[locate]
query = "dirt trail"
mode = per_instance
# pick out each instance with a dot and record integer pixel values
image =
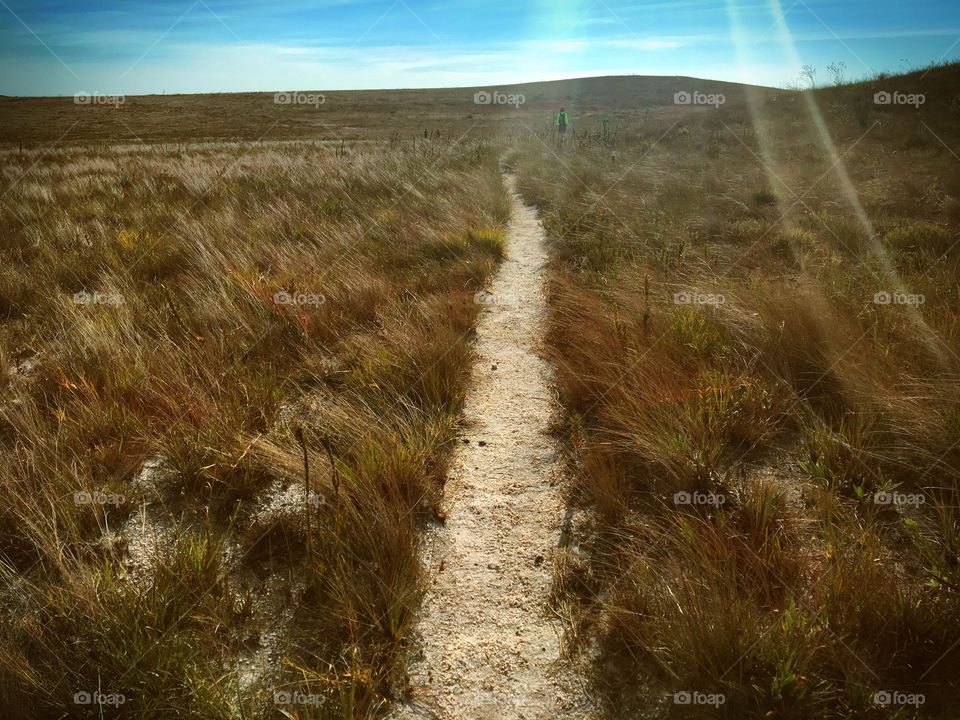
(487, 646)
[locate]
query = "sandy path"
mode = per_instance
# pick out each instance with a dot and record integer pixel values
(487, 646)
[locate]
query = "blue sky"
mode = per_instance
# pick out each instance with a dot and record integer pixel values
(61, 47)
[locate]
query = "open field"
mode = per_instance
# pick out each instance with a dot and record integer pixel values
(755, 327)
(235, 381)
(332, 116)
(236, 339)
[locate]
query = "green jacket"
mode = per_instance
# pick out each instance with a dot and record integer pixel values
(562, 119)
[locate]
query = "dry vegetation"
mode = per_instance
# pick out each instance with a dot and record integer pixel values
(334, 116)
(716, 333)
(209, 495)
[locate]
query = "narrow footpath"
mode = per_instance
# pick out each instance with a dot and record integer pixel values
(487, 646)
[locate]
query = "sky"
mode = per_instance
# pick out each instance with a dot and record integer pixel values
(64, 47)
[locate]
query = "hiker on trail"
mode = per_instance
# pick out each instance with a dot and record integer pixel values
(562, 121)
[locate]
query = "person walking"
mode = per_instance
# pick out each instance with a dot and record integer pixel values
(563, 120)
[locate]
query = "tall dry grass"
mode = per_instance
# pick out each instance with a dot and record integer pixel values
(765, 450)
(214, 464)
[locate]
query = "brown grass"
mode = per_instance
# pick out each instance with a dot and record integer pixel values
(783, 397)
(188, 360)
(256, 473)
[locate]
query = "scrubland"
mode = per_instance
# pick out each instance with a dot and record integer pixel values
(231, 380)
(754, 322)
(234, 348)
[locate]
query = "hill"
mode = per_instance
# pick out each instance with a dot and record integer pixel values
(335, 115)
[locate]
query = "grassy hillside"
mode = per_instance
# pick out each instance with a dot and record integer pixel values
(230, 381)
(234, 343)
(755, 324)
(321, 115)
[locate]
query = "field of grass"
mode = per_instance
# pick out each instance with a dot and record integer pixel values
(231, 377)
(447, 113)
(754, 317)
(235, 339)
